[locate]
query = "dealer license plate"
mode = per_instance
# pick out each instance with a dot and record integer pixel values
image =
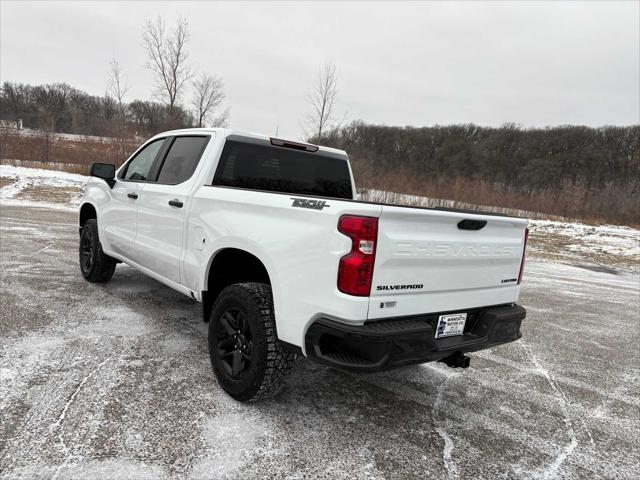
(449, 325)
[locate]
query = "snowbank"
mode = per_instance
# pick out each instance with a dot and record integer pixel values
(23, 179)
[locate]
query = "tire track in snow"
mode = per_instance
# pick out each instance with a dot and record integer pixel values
(551, 471)
(58, 424)
(448, 441)
(467, 416)
(615, 395)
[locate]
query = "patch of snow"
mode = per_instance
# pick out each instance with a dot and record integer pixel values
(14, 188)
(232, 440)
(56, 426)
(28, 132)
(110, 468)
(36, 177)
(613, 239)
(47, 177)
(448, 441)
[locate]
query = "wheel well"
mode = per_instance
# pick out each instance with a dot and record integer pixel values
(230, 266)
(87, 212)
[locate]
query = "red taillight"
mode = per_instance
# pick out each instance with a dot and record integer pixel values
(524, 254)
(355, 272)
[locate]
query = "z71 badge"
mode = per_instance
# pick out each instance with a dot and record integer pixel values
(309, 203)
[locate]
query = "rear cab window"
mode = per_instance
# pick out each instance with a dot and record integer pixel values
(276, 169)
(182, 159)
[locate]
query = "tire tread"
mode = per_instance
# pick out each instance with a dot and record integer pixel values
(279, 361)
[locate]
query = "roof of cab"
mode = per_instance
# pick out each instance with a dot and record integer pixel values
(228, 131)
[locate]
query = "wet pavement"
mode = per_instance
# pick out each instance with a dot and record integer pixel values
(114, 381)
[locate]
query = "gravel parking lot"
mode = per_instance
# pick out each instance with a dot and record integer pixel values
(114, 381)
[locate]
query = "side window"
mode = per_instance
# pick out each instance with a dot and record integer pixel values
(181, 159)
(138, 169)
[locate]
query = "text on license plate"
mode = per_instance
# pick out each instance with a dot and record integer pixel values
(452, 324)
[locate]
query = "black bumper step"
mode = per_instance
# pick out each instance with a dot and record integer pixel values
(384, 344)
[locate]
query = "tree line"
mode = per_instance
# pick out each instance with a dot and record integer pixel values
(572, 171)
(529, 160)
(59, 107)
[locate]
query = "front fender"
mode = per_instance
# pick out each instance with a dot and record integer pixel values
(97, 194)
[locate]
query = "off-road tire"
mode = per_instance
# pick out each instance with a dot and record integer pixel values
(270, 363)
(95, 265)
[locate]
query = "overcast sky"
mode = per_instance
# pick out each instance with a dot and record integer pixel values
(399, 64)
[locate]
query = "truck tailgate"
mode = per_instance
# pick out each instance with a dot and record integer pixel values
(426, 262)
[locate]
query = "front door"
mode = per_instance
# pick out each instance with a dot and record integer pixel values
(163, 205)
(120, 214)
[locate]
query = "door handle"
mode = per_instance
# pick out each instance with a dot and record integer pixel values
(175, 203)
(132, 195)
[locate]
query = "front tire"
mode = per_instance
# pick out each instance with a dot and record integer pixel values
(246, 357)
(95, 265)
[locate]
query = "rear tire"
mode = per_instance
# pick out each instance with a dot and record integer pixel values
(246, 357)
(95, 265)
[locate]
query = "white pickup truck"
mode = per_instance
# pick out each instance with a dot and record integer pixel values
(268, 235)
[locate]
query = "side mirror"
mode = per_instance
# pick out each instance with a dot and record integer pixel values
(105, 171)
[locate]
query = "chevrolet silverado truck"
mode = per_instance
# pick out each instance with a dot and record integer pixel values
(269, 236)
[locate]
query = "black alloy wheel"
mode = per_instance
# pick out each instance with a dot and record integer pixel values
(95, 265)
(247, 358)
(86, 254)
(235, 342)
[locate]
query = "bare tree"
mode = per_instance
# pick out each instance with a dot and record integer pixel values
(167, 59)
(322, 99)
(208, 98)
(118, 88)
(118, 85)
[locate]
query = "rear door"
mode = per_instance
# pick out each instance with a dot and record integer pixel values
(119, 215)
(163, 205)
(435, 261)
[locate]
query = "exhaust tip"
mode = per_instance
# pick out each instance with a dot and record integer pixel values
(457, 360)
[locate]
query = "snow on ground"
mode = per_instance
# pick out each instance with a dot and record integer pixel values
(39, 176)
(603, 246)
(592, 239)
(35, 187)
(28, 132)
(113, 381)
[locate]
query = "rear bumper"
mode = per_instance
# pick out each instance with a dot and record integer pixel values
(384, 344)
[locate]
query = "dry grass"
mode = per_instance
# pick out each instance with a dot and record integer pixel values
(47, 149)
(4, 181)
(556, 247)
(52, 194)
(572, 203)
